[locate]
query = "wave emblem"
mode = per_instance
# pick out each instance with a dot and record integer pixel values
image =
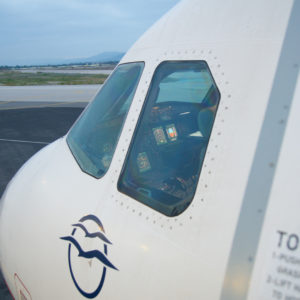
(91, 255)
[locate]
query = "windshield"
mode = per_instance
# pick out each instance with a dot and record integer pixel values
(94, 136)
(164, 162)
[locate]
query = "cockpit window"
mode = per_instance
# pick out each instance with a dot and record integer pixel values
(166, 155)
(94, 136)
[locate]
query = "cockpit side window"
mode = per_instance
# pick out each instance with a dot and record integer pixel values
(94, 137)
(165, 158)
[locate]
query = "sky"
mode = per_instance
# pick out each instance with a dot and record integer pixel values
(43, 31)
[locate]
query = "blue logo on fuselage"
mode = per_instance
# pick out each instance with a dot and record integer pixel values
(96, 253)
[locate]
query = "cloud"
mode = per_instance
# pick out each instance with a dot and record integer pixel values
(31, 29)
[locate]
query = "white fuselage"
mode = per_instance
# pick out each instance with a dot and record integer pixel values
(232, 240)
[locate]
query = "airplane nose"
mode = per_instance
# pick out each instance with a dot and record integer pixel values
(33, 209)
(21, 214)
(47, 194)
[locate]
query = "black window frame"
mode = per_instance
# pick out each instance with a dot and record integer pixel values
(132, 193)
(122, 127)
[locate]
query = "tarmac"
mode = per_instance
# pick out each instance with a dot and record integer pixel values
(28, 126)
(48, 93)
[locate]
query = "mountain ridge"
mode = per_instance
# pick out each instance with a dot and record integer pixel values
(103, 57)
(107, 56)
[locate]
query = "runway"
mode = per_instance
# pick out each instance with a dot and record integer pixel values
(48, 93)
(27, 125)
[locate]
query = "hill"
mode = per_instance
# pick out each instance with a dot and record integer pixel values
(103, 57)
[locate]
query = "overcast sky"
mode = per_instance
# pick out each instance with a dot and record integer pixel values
(34, 31)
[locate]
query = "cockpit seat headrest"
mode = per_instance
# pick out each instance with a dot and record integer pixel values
(205, 121)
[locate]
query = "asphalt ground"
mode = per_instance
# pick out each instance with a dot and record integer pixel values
(50, 93)
(25, 128)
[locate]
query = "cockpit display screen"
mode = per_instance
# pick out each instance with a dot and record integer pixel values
(143, 162)
(159, 135)
(172, 132)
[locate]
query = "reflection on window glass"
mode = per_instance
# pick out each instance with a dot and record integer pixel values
(93, 138)
(167, 152)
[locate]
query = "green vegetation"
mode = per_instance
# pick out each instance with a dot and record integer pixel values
(14, 78)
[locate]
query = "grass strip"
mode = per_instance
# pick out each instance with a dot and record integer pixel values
(15, 78)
